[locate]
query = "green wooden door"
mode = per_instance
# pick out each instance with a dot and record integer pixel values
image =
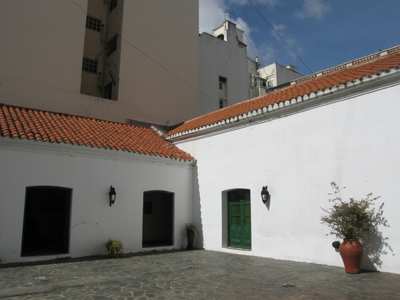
(239, 210)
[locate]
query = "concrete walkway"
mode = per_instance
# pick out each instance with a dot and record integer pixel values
(191, 275)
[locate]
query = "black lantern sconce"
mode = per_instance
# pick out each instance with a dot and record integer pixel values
(112, 195)
(264, 194)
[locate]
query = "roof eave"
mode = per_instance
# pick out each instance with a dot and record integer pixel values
(286, 107)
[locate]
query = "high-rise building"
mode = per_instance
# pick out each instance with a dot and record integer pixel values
(112, 59)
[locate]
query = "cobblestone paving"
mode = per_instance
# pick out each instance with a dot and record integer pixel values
(192, 275)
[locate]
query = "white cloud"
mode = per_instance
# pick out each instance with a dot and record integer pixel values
(267, 54)
(313, 9)
(211, 14)
(214, 12)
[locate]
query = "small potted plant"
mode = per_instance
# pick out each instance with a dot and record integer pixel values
(191, 231)
(352, 221)
(114, 247)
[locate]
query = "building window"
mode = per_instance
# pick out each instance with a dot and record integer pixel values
(93, 23)
(113, 4)
(222, 103)
(263, 83)
(111, 45)
(108, 91)
(222, 82)
(89, 65)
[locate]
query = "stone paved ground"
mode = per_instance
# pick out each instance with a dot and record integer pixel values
(192, 275)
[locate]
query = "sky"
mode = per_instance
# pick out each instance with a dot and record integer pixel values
(312, 35)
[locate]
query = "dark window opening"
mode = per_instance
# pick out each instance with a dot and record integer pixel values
(221, 36)
(108, 91)
(89, 65)
(113, 4)
(111, 45)
(222, 103)
(222, 82)
(157, 223)
(46, 221)
(93, 23)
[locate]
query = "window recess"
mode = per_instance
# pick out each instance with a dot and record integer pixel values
(113, 4)
(111, 45)
(89, 65)
(93, 23)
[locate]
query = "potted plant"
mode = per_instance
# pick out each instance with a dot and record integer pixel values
(114, 247)
(191, 231)
(352, 221)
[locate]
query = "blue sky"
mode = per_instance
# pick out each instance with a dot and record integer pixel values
(323, 33)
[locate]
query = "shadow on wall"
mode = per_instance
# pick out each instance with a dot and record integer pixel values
(197, 220)
(375, 244)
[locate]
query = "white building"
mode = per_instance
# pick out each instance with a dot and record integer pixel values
(55, 49)
(224, 77)
(338, 125)
(228, 76)
(273, 75)
(55, 179)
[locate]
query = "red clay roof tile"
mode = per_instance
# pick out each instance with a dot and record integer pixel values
(368, 66)
(27, 123)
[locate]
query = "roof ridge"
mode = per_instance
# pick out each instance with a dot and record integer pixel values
(350, 64)
(69, 115)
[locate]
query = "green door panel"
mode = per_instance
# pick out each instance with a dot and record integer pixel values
(239, 226)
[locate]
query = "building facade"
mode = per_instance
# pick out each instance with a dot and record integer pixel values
(228, 76)
(337, 125)
(56, 177)
(224, 77)
(273, 76)
(114, 59)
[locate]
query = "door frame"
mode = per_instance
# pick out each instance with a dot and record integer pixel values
(225, 218)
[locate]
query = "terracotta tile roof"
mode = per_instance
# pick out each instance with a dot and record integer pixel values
(306, 87)
(39, 125)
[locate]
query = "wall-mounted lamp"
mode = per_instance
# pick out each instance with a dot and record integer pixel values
(112, 195)
(264, 194)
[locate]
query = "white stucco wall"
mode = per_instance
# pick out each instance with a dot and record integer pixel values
(89, 173)
(41, 60)
(353, 142)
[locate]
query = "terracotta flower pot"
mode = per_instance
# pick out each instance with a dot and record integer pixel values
(352, 253)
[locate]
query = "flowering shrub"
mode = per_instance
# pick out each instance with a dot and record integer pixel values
(352, 219)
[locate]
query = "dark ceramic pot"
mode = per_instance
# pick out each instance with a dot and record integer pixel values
(190, 239)
(352, 253)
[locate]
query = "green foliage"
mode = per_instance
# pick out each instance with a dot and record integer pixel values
(192, 227)
(114, 246)
(352, 219)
